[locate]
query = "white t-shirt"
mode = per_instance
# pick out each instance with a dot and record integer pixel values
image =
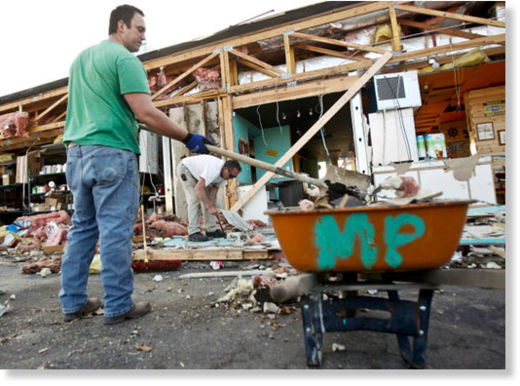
(207, 167)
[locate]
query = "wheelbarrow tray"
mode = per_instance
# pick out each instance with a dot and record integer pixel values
(371, 238)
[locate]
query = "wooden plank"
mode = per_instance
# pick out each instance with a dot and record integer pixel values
(303, 90)
(336, 70)
(256, 61)
(315, 128)
(338, 42)
(259, 69)
(224, 70)
(326, 51)
(396, 39)
(34, 98)
(290, 62)
(446, 31)
(51, 107)
(450, 15)
(53, 249)
(495, 39)
(200, 254)
(185, 74)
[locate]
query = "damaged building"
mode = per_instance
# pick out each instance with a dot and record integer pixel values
(380, 88)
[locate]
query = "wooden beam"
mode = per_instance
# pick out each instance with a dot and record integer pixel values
(50, 108)
(190, 99)
(290, 61)
(185, 74)
(7, 144)
(396, 38)
(34, 98)
(338, 42)
(446, 31)
(304, 90)
(495, 39)
(450, 15)
(256, 61)
(259, 69)
(224, 70)
(315, 128)
(329, 52)
(303, 76)
(201, 254)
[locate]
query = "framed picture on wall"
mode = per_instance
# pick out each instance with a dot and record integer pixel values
(485, 131)
(501, 137)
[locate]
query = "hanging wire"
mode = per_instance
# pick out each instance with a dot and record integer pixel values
(320, 98)
(278, 112)
(260, 118)
(456, 78)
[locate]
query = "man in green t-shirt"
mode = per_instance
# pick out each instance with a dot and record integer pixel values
(108, 95)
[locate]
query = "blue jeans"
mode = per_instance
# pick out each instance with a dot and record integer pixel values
(105, 186)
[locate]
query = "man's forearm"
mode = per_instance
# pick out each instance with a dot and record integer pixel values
(159, 122)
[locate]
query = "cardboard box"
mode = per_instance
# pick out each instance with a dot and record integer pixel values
(51, 201)
(30, 164)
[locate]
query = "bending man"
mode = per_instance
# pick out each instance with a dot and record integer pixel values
(201, 176)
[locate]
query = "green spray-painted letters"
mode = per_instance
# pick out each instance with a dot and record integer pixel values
(334, 244)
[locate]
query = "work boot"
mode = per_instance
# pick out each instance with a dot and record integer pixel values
(197, 236)
(216, 234)
(90, 306)
(138, 309)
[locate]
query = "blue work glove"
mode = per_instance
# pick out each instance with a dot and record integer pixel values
(196, 143)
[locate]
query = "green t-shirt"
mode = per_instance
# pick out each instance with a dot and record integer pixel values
(97, 112)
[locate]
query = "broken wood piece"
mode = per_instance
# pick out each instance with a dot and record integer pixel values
(202, 254)
(292, 287)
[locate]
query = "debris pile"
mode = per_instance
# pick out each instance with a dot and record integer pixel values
(254, 294)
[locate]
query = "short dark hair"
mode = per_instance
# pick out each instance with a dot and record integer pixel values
(123, 12)
(232, 164)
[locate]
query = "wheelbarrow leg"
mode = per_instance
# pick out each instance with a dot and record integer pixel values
(417, 357)
(311, 332)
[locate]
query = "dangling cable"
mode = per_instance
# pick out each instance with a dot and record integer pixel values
(321, 130)
(260, 118)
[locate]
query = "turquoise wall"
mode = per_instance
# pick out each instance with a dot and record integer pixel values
(277, 142)
(241, 129)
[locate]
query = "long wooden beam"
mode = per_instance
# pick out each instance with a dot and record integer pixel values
(450, 15)
(256, 61)
(315, 128)
(303, 76)
(259, 69)
(50, 108)
(495, 39)
(329, 52)
(304, 90)
(446, 31)
(336, 42)
(34, 98)
(396, 38)
(185, 74)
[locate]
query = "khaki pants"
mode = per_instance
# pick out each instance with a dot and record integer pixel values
(194, 205)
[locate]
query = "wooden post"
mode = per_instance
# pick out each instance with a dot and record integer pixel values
(396, 38)
(289, 54)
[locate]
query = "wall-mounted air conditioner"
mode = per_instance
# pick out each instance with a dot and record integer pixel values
(396, 91)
